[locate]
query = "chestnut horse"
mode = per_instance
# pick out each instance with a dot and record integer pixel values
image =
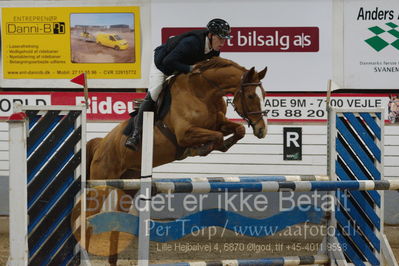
(197, 118)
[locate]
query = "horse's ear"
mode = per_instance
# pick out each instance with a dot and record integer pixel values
(249, 75)
(262, 74)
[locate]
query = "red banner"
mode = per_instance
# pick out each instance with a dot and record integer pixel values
(102, 106)
(264, 39)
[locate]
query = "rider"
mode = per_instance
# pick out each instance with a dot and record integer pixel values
(179, 55)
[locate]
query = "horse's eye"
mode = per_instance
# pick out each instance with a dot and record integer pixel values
(251, 96)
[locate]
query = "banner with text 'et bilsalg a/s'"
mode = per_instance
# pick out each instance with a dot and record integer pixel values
(62, 42)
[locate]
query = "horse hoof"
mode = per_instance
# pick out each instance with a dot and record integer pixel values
(113, 259)
(205, 149)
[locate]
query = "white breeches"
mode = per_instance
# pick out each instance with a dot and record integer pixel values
(156, 80)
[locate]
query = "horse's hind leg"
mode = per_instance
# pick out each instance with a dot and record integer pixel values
(122, 206)
(88, 235)
(91, 209)
(113, 248)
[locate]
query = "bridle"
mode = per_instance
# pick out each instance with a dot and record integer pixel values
(244, 115)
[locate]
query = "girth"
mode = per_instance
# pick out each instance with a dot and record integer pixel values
(168, 133)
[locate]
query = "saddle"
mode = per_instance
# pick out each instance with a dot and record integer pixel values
(162, 108)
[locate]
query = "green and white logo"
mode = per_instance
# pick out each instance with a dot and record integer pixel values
(389, 35)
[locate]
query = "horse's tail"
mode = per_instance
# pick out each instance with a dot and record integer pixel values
(91, 147)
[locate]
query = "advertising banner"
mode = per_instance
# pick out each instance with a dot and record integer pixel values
(263, 39)
(292, 143)
(62, 42)
(371, 44)
(292, 38)
(287, 107)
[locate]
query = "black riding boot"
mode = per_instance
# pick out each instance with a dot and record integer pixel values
(133, 141)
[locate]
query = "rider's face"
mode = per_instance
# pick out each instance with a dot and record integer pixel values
(217, 42)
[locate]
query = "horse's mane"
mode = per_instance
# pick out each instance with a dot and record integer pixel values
(217, 62)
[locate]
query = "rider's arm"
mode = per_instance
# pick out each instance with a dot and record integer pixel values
(187, 48)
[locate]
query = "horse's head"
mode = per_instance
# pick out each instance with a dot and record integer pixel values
(248, 100)
(226, 76)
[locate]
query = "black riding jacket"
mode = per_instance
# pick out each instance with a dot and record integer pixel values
(182, 51)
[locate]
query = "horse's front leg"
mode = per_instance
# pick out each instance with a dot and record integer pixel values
(229, 127)
(200, 141)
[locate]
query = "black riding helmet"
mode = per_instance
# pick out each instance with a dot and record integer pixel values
(219, 27)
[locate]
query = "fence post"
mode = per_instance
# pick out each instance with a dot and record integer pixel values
(18, 195)
(145, 190)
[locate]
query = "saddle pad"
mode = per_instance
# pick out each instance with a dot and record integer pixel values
(162, 106)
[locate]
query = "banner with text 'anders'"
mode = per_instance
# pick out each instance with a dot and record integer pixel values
(371, 44)
(62, 42)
